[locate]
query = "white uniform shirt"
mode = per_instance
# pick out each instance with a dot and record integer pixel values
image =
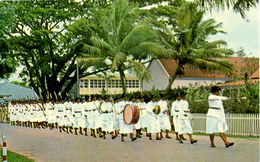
(216, 108)
(164, 107)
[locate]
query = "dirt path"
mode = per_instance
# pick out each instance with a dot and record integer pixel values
(46, 145)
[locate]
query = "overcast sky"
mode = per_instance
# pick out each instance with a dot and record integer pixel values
(240, 32)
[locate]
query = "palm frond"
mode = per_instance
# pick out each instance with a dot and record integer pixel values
(100, 43)
(90, 61)
(118, 59)
(212, 64)
(151, 49)
(138, 35)
(142, 72)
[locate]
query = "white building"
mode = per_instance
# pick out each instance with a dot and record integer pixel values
(94, 85)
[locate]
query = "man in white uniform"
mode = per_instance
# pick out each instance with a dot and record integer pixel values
(163, 116)
(153, 121)
(86, 115)
(50, 113)
(138, 125)
(76, 113)
(143, 114)
(216, 121)
(184, 119)
(125, 128)
(176, 105)
(68, 115)
(107, 120)
(60, 113)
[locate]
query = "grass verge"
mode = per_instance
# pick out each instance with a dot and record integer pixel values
(11, 156)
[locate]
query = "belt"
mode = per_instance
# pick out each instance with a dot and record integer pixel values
(87, 110)
(176, 110)
(51, 108)
(106, 112)
(77, 111)
(186, 111)
(60, 110)
(68, 109)
(217, 108)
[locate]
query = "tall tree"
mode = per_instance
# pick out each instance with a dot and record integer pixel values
(121, 40)
(7, 63)
(41, 43)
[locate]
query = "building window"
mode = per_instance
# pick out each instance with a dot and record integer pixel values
(83, 84)
(97, 83)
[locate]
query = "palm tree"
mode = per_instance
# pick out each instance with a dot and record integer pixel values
(121, 41)
(189, 44)
(238, 5)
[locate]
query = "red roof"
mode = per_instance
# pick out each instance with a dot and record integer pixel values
(255, 75)
(170, 66)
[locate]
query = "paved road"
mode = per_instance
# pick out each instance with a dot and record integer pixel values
(46, 145)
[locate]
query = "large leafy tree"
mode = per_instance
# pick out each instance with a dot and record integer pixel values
(7, 63)
(121, 40)
(40, 41)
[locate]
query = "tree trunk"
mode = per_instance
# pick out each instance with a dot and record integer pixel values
(122, 77)
(172, 79)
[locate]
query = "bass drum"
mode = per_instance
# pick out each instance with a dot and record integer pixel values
(131, 114)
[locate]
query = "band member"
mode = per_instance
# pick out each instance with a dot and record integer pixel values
(138, 125)
(184, 119)
(11, 108)
(68, 115)
(42, 120)
(163, 116)
(86, 115)
(153, 121)
(25, 119)
(107, 112)
(60, 113)
(76, 113)
(50, 113)
(143, 114)
(215, 121)
(125, 128)
(34, 114)
(116, 114)
(96, 113)
(176, 105)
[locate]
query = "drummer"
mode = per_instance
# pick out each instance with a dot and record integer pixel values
(163, 116)
(124, 128)
(153, 121)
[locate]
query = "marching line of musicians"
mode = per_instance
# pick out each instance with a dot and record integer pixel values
(100, 117)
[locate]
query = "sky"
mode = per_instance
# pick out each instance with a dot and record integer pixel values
(240, 32)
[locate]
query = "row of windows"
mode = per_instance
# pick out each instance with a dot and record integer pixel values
(98, 83)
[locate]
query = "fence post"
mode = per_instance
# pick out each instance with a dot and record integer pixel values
(4, 148)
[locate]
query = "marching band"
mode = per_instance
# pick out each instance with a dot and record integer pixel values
(120, 116)
(78, 116)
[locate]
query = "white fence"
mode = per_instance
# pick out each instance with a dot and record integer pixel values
(239, 124)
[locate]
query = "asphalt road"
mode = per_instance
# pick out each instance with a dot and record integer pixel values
(44, 145)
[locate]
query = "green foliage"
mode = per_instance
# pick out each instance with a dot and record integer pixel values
(7, 62)
(120, 40)
(40, 42)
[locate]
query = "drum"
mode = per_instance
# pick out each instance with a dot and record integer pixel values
(157, 109)
(131, 114)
